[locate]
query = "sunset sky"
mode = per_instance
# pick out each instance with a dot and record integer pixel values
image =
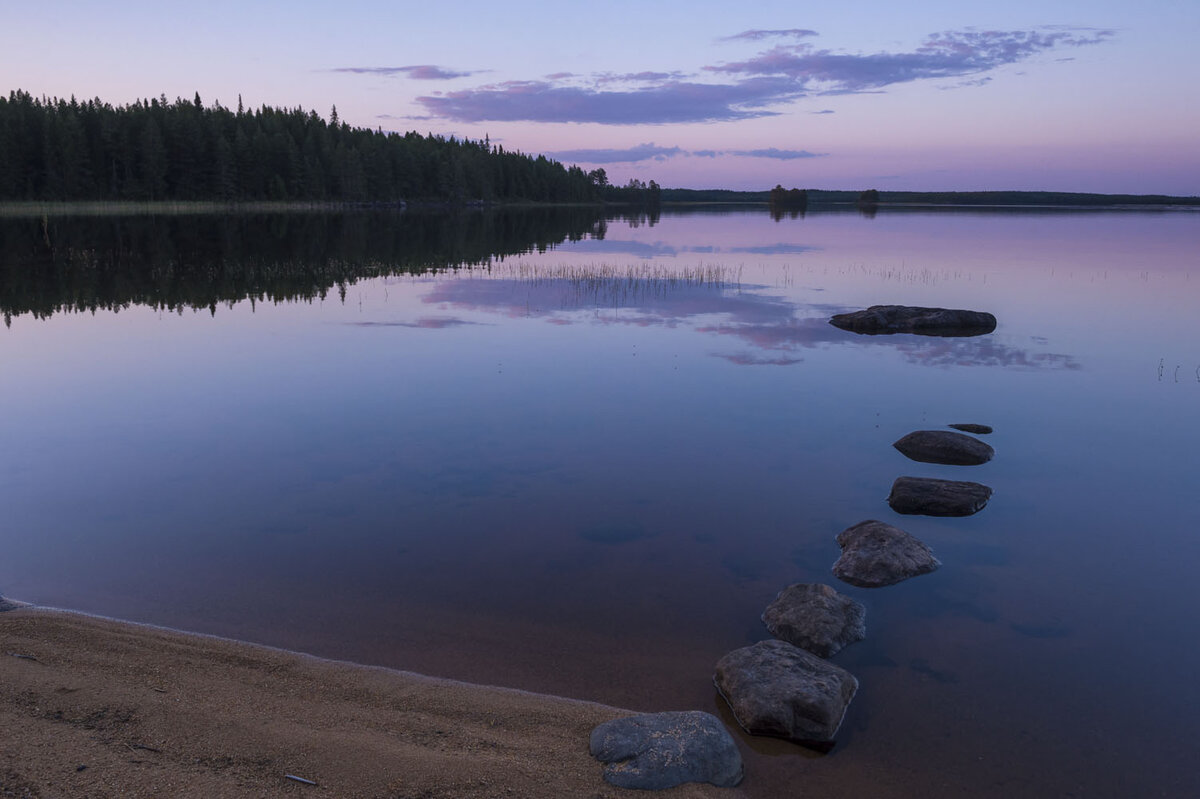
(1069, 95)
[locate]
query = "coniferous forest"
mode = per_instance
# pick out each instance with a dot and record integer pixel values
(151, 150)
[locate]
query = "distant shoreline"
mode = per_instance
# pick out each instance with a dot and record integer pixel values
(672, 198)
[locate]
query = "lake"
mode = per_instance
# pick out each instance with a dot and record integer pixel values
(580, 455)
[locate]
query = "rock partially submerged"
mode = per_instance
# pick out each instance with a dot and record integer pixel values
(661, 750)
(943, 446)
(885, 319)
(875, 554)
(780, 690)
(928, 496)
(970, 427)
(8, 604)
(815, 617)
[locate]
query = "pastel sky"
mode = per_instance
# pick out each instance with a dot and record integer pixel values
(1067, 95)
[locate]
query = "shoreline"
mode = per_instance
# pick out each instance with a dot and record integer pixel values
(96, 706)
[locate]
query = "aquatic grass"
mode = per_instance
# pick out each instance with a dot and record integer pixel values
(618, 285)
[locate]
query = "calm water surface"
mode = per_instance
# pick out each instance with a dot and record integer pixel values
(585, 464)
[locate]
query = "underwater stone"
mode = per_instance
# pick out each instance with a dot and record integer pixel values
(875, 554)
(886, 319)
(781, 690)
(929, 496)
(815, 617)
(655, 751)
(943, 446)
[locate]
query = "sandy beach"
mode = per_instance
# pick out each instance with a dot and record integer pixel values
(101, 708)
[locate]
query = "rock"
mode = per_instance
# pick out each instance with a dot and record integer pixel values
(661, 750)
(942, 446)
(8, 604)
(778, 689)
(886, 319)
(876, 554)
(967, 427)
(930, 497)
(815, 617)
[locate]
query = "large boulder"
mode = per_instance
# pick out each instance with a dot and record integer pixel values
(929, 496)
(943, 446)
(971, 427)
(876, 554)
(815, 617)
(661, 750)
(778, 689)
(885, 319)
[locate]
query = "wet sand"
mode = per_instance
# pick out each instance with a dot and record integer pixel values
(101, 708)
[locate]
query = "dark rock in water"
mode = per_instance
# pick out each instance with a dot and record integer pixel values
(967, 427)
(778, 689)
(931, 497)
(815, 617)
(876, 554)
(7, 604)
(661, 750)
(885, 319)
(942, 446)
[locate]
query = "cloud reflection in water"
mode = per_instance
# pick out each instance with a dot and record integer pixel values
(713, 302)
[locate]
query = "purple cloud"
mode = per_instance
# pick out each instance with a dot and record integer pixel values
(943, 55)
(649, 150)
(425, 323)
(752, 88)
(772, 152)
(758, 35)
(781, 248)
(641, 152)
(671, 101)
(637, 77)
(747, 359)
(416, 72)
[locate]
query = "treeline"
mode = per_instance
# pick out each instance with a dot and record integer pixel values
(635, 192)
(820, 198)
(51, 265)
(151, 150)
(713, 196)
(1060, 198)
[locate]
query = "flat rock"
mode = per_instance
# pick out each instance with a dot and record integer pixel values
(661, 750)
(876, 554)
(970, 427)
(886, 319)
(815, 617)
(928, 496)
(780, 690)
(943, 446)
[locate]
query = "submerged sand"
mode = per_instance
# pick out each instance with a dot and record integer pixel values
(100, 708)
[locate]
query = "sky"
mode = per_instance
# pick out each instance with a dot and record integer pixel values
(1059, 95)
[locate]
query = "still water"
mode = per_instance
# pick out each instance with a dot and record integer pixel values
(581, 455)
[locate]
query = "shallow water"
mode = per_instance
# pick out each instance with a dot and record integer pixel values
(586, 464)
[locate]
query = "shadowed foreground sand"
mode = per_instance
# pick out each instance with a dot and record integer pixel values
(99, 708)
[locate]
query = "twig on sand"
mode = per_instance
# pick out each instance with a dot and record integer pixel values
(298, 779)
(146, 748)
(24, 657)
